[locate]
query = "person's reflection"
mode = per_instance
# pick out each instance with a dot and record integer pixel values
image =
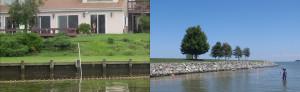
(284, 85)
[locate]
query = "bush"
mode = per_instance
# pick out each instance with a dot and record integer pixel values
(33, 41)
(110, 41)
(85, 28)
(125, 40)
(59, 43)
(11, 46)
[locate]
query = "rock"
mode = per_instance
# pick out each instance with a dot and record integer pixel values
(161, 69)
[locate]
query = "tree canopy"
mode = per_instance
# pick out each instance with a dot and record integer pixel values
(24, 13)
(217, 50)
(246, 52)
(237, 52)
(194, 42)
(227, 50)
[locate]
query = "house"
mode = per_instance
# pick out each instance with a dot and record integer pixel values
(110, 16)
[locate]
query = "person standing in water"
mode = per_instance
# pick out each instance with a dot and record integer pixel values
(284, 74)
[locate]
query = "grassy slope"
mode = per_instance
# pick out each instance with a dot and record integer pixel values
(174, 60)
(96, 48)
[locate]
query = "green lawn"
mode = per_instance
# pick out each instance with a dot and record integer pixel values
(175, 60)
(96, 48)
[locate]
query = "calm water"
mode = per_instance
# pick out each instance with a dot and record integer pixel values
(254, 80)
(142, 85)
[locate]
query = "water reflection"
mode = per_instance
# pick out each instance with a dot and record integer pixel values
(284, 85)
(253, 80)
(139, 85)
(193, 82)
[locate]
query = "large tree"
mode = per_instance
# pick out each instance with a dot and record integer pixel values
(237, 52)
(227, 50)
(246, 52)
(194, 42)
(24, 13)
(217, 50)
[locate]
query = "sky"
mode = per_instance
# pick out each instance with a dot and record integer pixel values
(270, 28)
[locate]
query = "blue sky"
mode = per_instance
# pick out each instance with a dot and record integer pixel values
(270, 28)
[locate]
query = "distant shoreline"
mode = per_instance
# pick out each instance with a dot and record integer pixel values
(165, 69)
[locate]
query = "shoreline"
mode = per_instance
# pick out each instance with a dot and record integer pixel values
(165, 69)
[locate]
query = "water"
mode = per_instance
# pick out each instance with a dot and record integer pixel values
(138, 85)
(254, 80)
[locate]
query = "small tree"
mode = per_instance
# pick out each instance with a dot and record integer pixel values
(194, 42)
(144, 21)
(24, 13)
(237, 52)
(227, 50)
(85, 28)
(217, 50)
(246, 52)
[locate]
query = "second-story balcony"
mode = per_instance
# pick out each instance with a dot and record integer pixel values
(139, 6)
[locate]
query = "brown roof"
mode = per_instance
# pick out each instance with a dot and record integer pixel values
(63, 4)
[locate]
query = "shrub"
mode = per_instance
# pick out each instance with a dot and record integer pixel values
(110, 41)
(11, 46)
(33, 41)
(125, 40)
(59, 43)
(85, 28)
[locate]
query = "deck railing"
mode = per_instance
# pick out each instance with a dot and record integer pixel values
(138, 6)
(45, 32)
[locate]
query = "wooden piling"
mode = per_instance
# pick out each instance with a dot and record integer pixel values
(78, 65)
(104, 68)
(22, 70)
(130, 67)
(51, 69)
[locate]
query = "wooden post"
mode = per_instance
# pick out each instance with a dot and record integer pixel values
(130, 67)
(51, 69)
(104, 68)
(78, 63)
(22, 70)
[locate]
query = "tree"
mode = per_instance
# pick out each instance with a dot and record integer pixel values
(144, 21)
(24, 13)
(237, 52)
(246, 52)
(227, 50)
(194, 42)
(217, 50)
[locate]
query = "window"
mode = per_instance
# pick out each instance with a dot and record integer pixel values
(43, 22)
(4, 2)
(68, 21)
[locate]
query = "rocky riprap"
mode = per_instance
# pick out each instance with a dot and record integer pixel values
(162, 69)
